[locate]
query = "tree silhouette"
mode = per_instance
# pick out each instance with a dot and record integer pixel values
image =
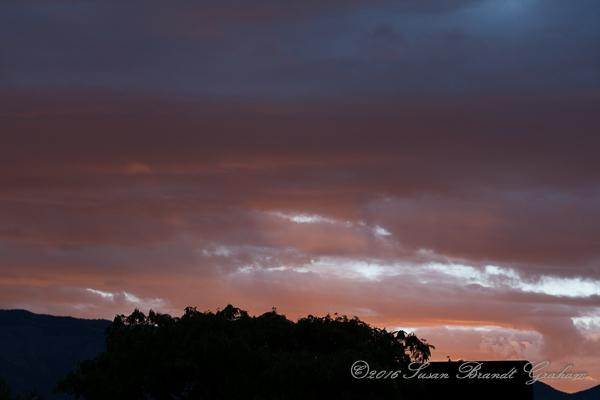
(230, 355)
(6, 393)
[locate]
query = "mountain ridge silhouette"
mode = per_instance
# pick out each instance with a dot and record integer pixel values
(38, 349)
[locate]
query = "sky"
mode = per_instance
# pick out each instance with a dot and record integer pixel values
(430, 166)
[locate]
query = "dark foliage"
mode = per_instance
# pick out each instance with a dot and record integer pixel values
(7, 394)
(5, 391)
(230, 355)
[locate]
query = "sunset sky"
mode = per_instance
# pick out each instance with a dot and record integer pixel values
(427, 165)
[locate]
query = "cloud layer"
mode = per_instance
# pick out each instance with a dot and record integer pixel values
(429, 166)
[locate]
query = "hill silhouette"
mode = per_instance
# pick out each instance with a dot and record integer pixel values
(37, 350)
(542, 391)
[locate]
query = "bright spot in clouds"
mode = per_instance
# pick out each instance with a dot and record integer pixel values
(103, 294)
(380, 231)
(304, 218)
(143, 304)
(221, 251)
(494, 276)
(371, 270)
(589, 325)
(130, 298)
(491, 276)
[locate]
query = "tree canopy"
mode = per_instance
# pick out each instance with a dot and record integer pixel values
(7, 394)
(230, 355)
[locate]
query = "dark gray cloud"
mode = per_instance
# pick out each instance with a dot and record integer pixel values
(330, 49)
(499, 180)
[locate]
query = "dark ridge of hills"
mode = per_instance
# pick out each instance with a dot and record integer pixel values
(588, 394)
(36, 350)
(543, 391)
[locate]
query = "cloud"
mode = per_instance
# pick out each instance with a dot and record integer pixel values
(304, 218)
(479, 195)
(422, 164)
(301, 49)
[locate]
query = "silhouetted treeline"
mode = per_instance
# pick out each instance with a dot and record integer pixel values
(6, 393)
(230, 355)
